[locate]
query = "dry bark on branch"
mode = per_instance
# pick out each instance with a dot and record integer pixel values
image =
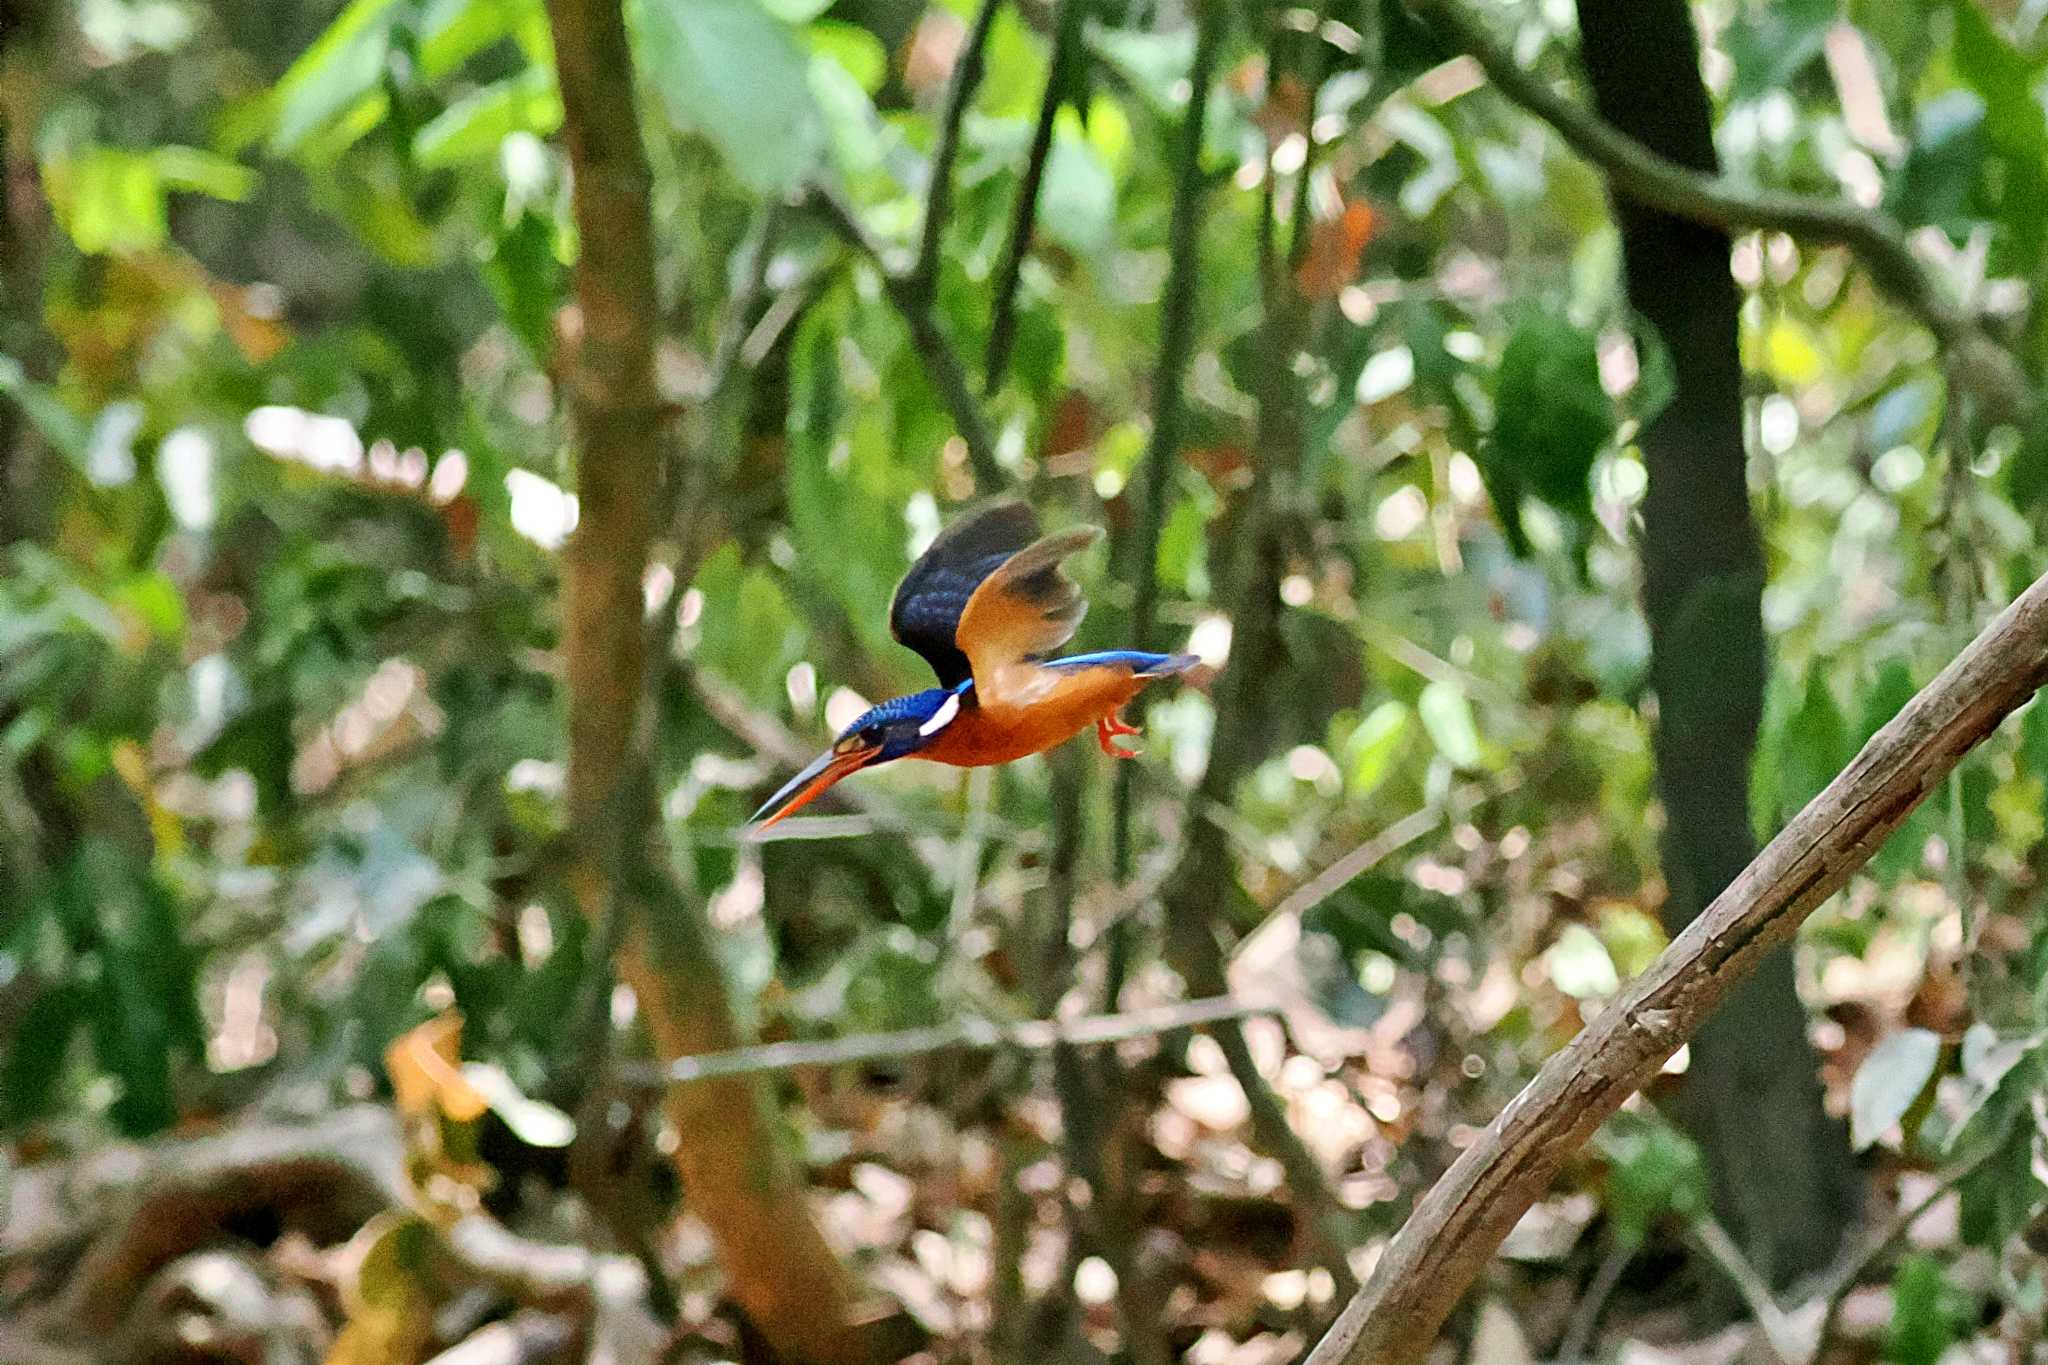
(1459, 1223)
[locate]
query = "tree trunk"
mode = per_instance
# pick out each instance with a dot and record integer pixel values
(1779, 1169)
(736, 1171)
(25, 71)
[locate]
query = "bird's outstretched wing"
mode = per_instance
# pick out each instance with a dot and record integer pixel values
(1023, 610)
(933, 596)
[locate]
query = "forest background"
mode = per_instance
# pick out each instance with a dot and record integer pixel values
(455, 456)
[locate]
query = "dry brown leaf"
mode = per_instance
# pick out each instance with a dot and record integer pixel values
(425, 1066)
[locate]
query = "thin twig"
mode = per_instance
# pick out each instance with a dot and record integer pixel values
(1720, 1248)
(1876, 239)
(1059, 81)
(1578, 1337)
(962, 1035)
(1342, 872)
(941, 362)
(923, 281)
(1892, 1234)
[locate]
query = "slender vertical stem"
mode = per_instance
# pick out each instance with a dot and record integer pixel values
(1059, 82)
(923, 280)
(1176, 350)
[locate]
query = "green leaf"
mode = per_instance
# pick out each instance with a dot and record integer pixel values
(1579, 964)
(57, 424)
(1447, 715)
(1814, 746)
(1772, 49)
(35, 1058)
(1077, 203)
(2026, 476)
(1937, 181)
(2014, 121)
(110, 200)
(453, 31)
(343, 66)
(1553, 418)
(1370, 752)
(1929, 1314)
(1888, 1082)
(735, 73)
(526, 277)
(474, 125)
(855, 50)
(1156, 64)
(1652, 1171)
(1884, 698)
(798, 12)
(188, 168)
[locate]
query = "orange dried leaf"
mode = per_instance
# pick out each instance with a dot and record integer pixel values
(425, 1066)
(1336, 247)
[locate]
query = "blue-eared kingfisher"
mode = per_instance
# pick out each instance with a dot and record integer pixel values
(984, 606)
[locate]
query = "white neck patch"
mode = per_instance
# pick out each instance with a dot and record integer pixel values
(942, 717)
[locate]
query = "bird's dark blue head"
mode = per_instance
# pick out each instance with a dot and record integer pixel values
(896, 729)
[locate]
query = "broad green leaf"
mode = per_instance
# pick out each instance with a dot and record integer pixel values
(735, 73)
(1447, 715)
(1814, 746)
(2015, 123)
(849, 114)
(344, 65)
(797, 12)
(858, 52)
(1156, 64)
(58, 424)
(188, 168)
(1884, 698)
(1937, 181)
(1579, 965)
(1653, 1171)
(1929, 1314)
(1370, 752)
(36, 1053)
(2026, 475)
(1077, 203)
(1552, 419)
(477, 123)
(453, 31)
(526, 277)
(109, 199)
(1888, 1082)
(1771, 49)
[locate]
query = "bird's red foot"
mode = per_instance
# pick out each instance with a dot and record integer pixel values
(1107, 728)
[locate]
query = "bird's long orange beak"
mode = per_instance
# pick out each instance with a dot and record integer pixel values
(808, 785)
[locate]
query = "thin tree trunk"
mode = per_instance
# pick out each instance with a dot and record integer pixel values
(1779, 1169)
(24, 219)
(734, 1164)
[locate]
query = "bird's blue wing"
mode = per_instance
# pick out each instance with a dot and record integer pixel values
(932, 597)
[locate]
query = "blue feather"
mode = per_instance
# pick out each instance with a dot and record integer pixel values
(1143, 664)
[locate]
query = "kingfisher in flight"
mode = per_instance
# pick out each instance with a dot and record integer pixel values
(984, 606)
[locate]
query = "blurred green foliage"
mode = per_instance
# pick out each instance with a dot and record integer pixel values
(281, 731)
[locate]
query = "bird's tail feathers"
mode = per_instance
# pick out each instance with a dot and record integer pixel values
(1169, 664)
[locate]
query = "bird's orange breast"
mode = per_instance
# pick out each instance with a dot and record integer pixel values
(1029, 709)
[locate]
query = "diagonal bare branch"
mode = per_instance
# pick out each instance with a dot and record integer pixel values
(1459, 1224)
